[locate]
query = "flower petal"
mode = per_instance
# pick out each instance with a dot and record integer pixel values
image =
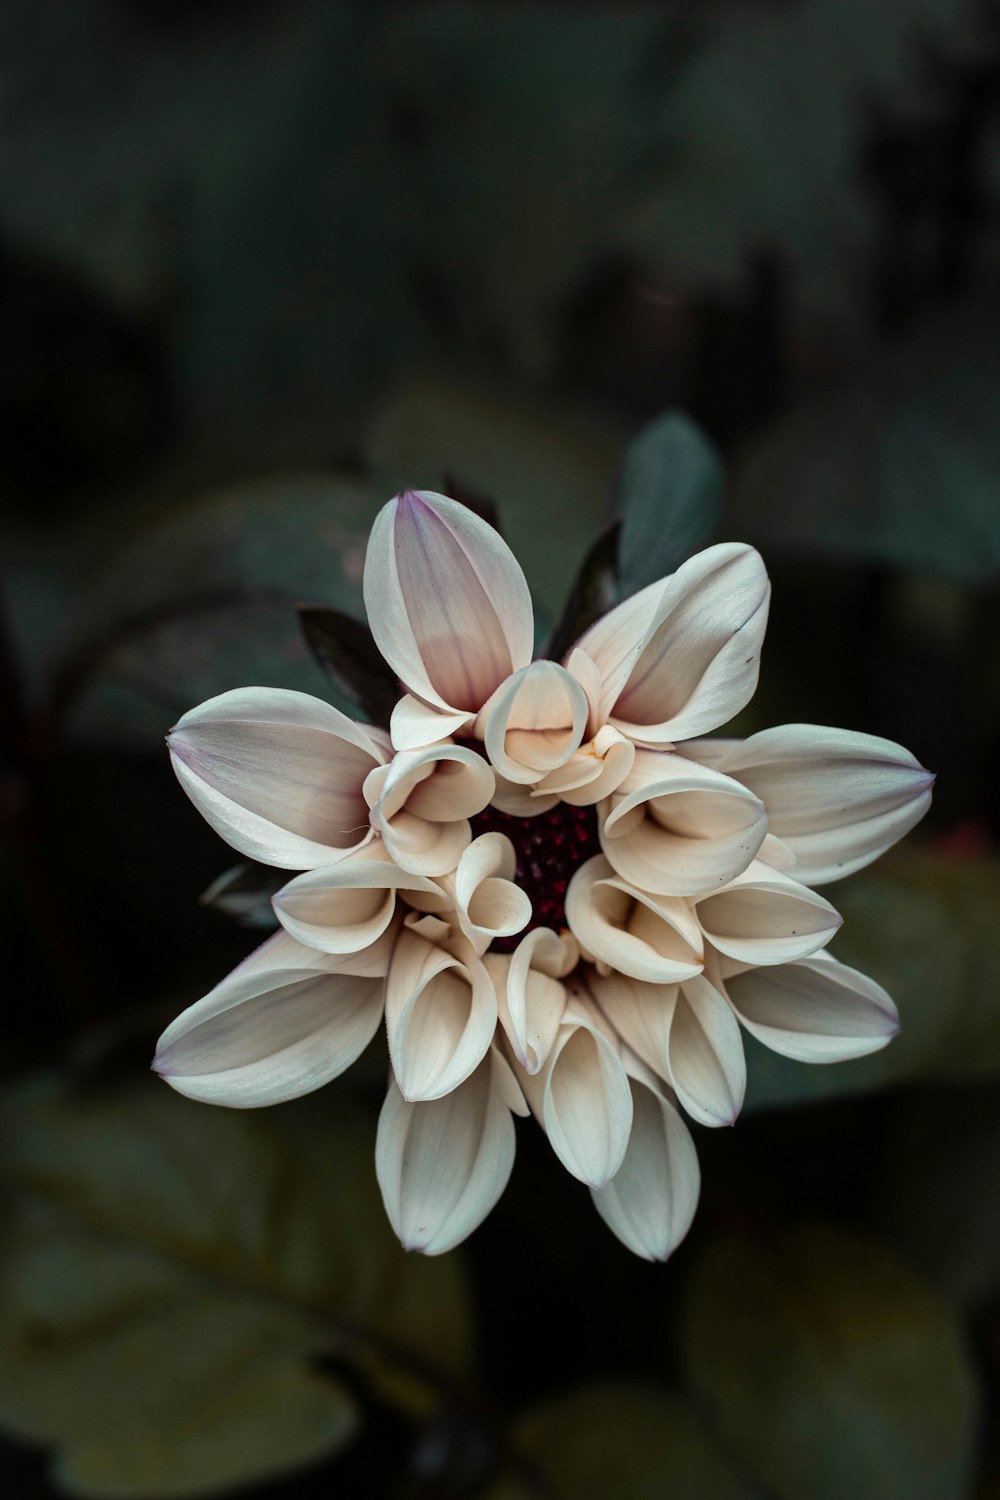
(414, 725)
(816, 1010)
(441, 1013)
(594, 772)
(650, 1202)
(696, 830)
(530, 997)
(345, 907)
(421, 804)
(640, 1014)
(534, 722)
(447, 603)
(443, 1163)
(655, 938)
(488, 903)
(836, 798)
(766, 917)
(265, 1034)
(278, 774)
(705, 1054)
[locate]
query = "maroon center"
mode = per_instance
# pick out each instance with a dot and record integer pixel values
(549, 849)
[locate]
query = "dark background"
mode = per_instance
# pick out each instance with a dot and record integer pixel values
(260, 265)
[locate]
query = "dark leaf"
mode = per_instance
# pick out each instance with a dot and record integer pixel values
(669, 495)
(244, 893)
(593, 593)
(345, 650)
(481, 505)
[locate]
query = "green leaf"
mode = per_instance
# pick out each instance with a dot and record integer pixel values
(345, 650)
(173, 1273)
(830, 1368)
(924, 927)
(630, 1441)
(244, 893)
(592, 595)
(669, 495)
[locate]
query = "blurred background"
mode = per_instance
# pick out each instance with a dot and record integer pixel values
(261, 265)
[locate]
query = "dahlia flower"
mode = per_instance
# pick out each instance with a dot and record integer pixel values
(556, 895)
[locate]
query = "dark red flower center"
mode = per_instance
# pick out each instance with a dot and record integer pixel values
(549, 849)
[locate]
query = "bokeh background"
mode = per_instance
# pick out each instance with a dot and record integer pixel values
(260, 265)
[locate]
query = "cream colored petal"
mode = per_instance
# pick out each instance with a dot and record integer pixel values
(655, 938)
(534, 722)
(766, 917)
(641, 1015)
(441, 1013)
(282, 951)
(447, 603)
(816, 1010)
(836, 798)
(267, 1034)
(278, 774)
(415, 725)
(345, 907)
(488, 903)
(697, 829)
(585, 670)
(442, 1164)
(594, 772)
(699, 658)
(586, 1105)
(519, 800)
(705, 1054)
(530, 997)
(613, 645)
(651, 1200)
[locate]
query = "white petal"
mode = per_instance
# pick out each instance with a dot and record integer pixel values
(594, 772)
(817, 1010)
(836, 798)
(443, 1163)
(447, 603)
(706, 1058)
(650, 1202)
(415, 725)
(654, 938)
(641, 1015)
(421, 803)
(530, 997)
(345, 907)
(766, 917)
(534, 722)
(698, 657)
(265, 1034)
(488, 903)
(278, 774)
(441, 1013)
(697, 829)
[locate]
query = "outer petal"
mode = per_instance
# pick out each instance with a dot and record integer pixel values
(278, 774)
(530, 997)
(441, 1013)
(448, 606)
(267, 1034)
(705, 1055)
(697, 657)
(414, 725)
(836, 798)
(421, 804)
(817, 1010)
(679, 829)
(640, 1014)
(346, 907)
(534, 722)
(443, 1163)
(654, 938)
(650, 1202)
(766, 917)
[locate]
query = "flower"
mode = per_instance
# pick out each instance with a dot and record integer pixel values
(558, 897)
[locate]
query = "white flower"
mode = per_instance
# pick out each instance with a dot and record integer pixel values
(555, 894)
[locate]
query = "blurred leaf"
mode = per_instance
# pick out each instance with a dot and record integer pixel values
(345, 650)
(633, 1442)
(903, 469)
(548, 473)
(670, 496)
(172, 1273)
(244, 893)
(831, 1369)
(925, 928)
(934, 1190)
(592, 595)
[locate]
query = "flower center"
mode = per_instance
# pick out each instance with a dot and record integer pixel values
(549, 849)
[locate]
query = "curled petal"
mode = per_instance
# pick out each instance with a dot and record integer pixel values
(519, 800)
(346, 907)
(655, 938)
(443, 1163)
(816, 1010)
(594, 772)
(534, 722)
(677, 828)
(272, 1031)
(837, 799)
(683, 655)
(488, 903)
(447, 603)
(441, 1013)
(650, 1202)
(530, 997)
(415, 725)
(641, 1015)
(278, 774)
(766, 917)
(583, 1099)
(705, 1057)
(421, 804)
